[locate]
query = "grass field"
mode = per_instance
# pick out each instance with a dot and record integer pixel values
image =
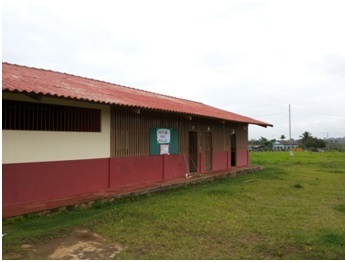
(293, 209)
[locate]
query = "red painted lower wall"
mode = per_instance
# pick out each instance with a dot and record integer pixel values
(30, 182)
(174, 166)
(220, 160)
(126, 171)
(242, 158)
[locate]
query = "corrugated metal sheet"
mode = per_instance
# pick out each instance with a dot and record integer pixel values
(45, 82)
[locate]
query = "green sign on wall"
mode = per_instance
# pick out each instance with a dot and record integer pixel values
(163, 141)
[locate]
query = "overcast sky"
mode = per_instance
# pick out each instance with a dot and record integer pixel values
(249, 57)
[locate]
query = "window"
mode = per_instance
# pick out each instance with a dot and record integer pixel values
(18, 115)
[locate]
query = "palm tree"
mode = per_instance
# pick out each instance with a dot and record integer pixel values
(305, 138)
(282, 137)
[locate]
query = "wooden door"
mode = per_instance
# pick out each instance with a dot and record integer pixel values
(233, 149)
(208, 151)
(193, 152)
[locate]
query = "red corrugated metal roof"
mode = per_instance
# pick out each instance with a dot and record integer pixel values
(45, 82)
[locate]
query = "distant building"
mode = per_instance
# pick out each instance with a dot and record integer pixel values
(283, 145)
(255, 147)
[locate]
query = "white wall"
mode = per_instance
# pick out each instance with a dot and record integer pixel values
(37, 146)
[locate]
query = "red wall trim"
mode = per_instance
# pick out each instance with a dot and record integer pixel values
(28, 182)
(220, 160)
(242, 158)
(174, 166)
(126, 171)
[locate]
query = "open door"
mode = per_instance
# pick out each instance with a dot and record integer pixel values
(193, 152)
(208, 151)
(233, 149)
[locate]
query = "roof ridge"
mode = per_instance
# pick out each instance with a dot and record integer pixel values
(101, 81)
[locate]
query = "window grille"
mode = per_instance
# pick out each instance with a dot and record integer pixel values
(17, 115)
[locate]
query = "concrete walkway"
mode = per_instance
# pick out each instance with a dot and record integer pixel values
(46, 207)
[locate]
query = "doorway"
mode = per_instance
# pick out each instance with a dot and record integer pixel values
(193, 152)
(208, 151)
(233, 149)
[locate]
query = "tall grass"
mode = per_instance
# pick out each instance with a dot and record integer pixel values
(293, 209)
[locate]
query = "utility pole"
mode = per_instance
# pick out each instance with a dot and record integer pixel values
(291, 153)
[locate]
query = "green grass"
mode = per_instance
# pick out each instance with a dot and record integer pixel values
(294, 209)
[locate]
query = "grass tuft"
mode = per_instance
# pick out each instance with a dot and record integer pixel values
(298, 186)
(340, 208)
(334, 238)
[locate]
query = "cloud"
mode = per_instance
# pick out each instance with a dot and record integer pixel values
(249, 57)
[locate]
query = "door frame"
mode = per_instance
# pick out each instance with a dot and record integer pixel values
(208, 151)
(193, 151)
(233, 150)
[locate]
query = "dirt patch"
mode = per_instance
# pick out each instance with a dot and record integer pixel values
(81, 244)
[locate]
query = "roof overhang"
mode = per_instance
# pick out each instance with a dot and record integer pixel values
(39, 82)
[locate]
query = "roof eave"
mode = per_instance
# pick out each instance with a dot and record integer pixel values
(129, 105)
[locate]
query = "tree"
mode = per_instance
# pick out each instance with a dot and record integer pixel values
(319, 143)
(267, 144)
(282, 137)
(306, 136)
(310, 142)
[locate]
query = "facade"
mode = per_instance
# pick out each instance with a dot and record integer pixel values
(65, 135)
(283, 146)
